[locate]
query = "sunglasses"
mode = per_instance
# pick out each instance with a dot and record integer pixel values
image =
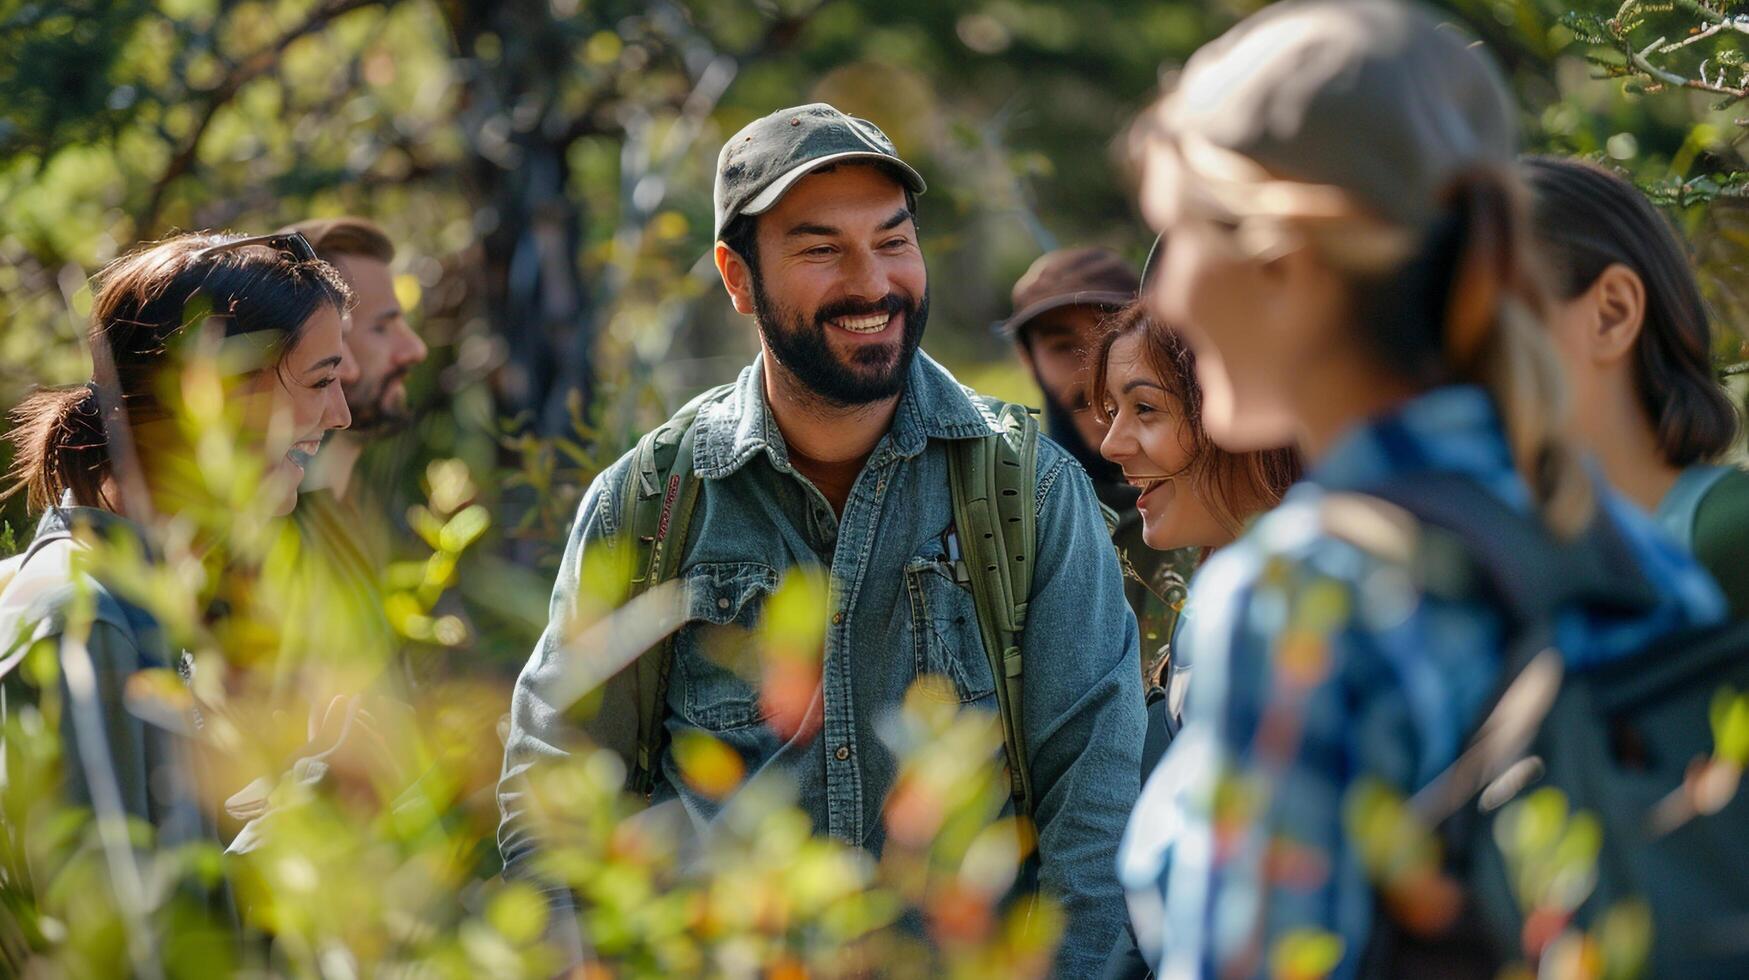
(292, 243)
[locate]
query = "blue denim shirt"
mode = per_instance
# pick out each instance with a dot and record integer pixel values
(1289, 704)
(897, 615)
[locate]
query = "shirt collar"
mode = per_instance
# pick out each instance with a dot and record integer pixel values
(1454, 428)
(69, 518)
(737, 425)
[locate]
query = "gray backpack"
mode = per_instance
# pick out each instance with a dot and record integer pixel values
(1617, 741)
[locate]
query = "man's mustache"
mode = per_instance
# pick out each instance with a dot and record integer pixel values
(890, 304)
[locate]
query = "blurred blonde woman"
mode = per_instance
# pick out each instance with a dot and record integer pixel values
(1336, 179)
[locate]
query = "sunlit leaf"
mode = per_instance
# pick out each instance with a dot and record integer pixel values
(707, 765)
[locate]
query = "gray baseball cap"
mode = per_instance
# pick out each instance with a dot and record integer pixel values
(759, 164)
(1376, 97)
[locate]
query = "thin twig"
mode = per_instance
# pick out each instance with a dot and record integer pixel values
(1663, 76)
(106, 805)
(1740, 27)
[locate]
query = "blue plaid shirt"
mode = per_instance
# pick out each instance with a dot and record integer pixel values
(1318, 663)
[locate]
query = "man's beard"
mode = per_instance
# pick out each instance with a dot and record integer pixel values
(372, 415)
(873, 372)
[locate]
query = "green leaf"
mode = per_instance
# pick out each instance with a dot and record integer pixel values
(464, 528)
(518, 912)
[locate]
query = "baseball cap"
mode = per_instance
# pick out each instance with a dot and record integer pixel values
(1088, 276)
(1377, 98)
(759, 164)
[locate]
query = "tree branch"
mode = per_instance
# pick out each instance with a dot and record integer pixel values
(245, 71)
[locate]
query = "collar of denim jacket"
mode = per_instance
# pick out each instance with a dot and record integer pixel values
(70, 518)
(735, 427)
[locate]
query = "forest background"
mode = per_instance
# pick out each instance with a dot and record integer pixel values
(545, 168)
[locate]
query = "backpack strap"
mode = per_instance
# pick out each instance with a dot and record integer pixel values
(1511, 558)
(1523, 567)
(993, 481)
(656, 511)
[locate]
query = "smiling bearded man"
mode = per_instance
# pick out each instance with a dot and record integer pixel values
(833, 452)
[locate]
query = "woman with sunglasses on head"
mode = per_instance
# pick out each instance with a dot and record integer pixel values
(1634, 339)
(1368, 299)
(102, 458)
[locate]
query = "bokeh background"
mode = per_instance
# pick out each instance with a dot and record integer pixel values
(545, 166)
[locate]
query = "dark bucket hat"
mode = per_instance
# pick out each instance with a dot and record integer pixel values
(1088, 276)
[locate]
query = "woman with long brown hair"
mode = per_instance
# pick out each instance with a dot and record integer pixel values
(102, 458)
(1347, 260)
(1194, 494)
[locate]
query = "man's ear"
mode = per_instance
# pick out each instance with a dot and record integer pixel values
(1619, 297)
(737, 278)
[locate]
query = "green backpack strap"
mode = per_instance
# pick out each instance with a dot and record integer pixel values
(657, 504)
(993, 481)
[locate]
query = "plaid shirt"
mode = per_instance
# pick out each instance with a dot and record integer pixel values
(1317, 664)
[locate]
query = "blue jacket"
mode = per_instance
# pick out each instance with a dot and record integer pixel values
(898, 614)
(1318, 664)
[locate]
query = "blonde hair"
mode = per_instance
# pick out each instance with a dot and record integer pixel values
(1464, 301)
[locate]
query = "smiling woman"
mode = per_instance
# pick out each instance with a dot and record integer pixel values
(271, 295)
(1194, 493)
(264, 311)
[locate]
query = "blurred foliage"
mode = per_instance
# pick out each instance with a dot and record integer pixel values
(363, 806)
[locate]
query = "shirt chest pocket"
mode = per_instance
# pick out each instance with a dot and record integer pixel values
(945, 638)
(716, 654)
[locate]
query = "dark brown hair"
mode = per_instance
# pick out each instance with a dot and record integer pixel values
(142, 302)
(1230, 483)
(333, 238)
(1587, 219)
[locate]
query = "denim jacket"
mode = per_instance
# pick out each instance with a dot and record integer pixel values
(154, 767)
(897, 615)
(1319, 664)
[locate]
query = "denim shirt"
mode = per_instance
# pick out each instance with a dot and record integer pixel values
(897, 614)
(1319, 664)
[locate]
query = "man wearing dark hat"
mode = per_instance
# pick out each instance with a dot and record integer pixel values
(832, 452)
(1059, 305)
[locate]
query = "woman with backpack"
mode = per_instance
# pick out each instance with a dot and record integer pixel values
(101, 458)
(1347, 263)
(1633, 336)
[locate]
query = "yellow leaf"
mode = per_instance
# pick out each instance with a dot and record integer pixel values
(707, 765)
(1306, 954)
(518, 913)
(794, 626)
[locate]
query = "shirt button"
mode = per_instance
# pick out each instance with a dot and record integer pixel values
(842, 753)
(837, 618)
(722, 603)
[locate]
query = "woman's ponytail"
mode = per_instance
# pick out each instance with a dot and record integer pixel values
(1494, 335)
(58, 445)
